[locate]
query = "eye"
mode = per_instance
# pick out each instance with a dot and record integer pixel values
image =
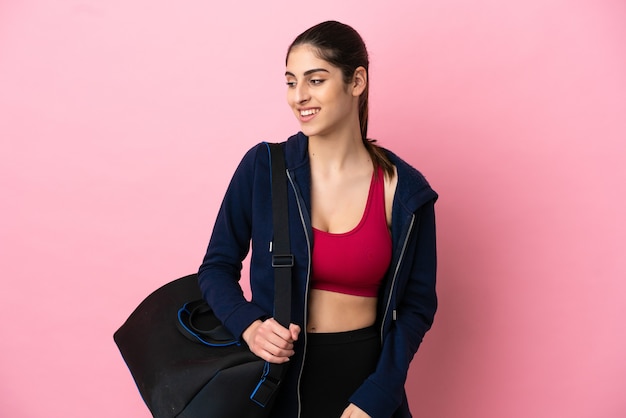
(291, 83)
(316, 81)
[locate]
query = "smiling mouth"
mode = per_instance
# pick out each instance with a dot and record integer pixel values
(309, 112)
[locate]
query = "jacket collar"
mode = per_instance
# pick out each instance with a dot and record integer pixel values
(297, 161)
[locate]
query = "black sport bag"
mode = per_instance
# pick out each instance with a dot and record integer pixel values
(184, 362)
(180, 378)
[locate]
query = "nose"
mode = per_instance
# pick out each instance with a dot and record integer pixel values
(301, 94)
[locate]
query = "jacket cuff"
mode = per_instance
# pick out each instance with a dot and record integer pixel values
(242, 317)
(374, 400)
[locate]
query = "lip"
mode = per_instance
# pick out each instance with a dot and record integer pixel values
(305, 114)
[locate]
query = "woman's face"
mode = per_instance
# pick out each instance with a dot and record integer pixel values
(317, 94)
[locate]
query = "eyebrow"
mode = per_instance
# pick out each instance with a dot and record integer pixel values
(308, 72)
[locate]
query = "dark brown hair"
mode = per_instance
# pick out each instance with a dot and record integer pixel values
(342, 46)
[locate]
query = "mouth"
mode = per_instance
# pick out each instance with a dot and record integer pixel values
(308, 112)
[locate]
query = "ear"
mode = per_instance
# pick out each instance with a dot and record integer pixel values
(359, 81)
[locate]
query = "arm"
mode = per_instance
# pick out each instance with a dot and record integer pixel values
(220, 271)
(219, 274)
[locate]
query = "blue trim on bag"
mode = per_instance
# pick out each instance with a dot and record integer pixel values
(266, 370)
(198, 336)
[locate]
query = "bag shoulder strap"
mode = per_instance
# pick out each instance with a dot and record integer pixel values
(282, 258)
(282, 262)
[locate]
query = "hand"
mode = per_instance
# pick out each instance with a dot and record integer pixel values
(353, 411)
(270, 340)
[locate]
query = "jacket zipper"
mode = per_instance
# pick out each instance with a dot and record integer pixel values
(395, 275)
(308, 276)
(306, 294)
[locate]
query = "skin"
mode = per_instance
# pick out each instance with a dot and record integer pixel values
(341, 171)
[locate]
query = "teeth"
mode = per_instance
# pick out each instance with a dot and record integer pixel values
(309, 112)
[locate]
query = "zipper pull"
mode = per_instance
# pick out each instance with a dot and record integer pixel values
(394, 314)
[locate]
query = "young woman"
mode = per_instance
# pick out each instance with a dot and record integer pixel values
(362, 229)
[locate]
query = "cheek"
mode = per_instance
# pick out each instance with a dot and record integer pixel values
(337, 100)
(336, 95)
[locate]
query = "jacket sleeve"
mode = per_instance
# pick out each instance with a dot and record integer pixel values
(415, 305)
(219, 274)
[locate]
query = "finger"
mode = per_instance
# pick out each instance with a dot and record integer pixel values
(295, 331)
(279, 330)
(266, 340)
(275, 350)
(272, 342)
(269, 338)
(273, 355)
(270, 358)
(353, 411)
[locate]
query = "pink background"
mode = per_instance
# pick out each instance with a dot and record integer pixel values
(121, 123)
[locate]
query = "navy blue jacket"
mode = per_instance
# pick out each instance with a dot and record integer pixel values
(407, 300)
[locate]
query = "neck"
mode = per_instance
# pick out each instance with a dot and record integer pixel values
(338, 152)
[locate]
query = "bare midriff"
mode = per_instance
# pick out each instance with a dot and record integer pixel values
(338, 312)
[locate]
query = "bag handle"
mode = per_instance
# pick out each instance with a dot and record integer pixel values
(192, 324)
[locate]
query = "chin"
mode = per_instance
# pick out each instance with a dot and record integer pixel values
(308, 131)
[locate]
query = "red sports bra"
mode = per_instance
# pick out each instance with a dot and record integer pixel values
(355, 262)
